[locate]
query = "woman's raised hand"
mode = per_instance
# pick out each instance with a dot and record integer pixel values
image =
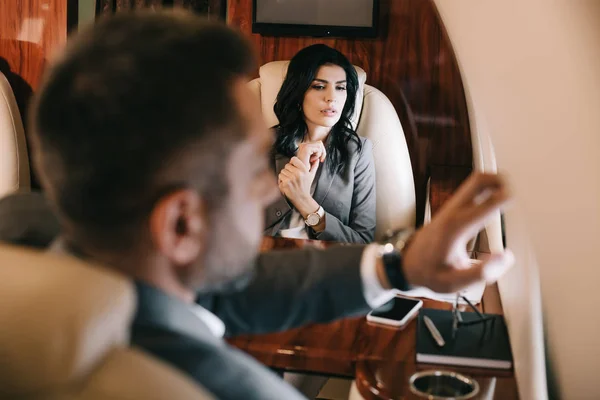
(295, 181)
(311, 151)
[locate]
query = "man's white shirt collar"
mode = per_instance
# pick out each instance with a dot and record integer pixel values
(214, 323)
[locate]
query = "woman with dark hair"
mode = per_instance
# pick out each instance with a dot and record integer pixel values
(325, 171)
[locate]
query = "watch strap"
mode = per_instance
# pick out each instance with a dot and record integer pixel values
(391, 254)
(321, 212)
(392, 264)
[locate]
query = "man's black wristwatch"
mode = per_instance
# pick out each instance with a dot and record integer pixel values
(390, 253)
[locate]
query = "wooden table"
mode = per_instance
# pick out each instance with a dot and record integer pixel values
(380, 358)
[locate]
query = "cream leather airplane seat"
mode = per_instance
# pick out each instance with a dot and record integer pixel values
(64, 330)
(14, 161)
(374, 118)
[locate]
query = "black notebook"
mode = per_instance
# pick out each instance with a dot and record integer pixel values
(483, 345)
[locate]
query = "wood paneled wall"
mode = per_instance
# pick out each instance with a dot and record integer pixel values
(211, 8)
(412, 62)
(30, 31)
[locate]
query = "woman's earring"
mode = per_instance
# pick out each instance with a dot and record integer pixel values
(299, 106)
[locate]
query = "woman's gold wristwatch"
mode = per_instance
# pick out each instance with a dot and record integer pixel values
(313, 219)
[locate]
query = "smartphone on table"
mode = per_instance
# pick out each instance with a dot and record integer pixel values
(397, 312)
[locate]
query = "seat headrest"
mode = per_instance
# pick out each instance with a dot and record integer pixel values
(58, 318)
(271, 78)
(26, 219)
(14, 160)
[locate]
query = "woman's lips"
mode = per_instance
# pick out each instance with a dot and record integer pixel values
(329, 112)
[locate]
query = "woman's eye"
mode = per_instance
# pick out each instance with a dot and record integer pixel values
(318, 87)
(341, 88)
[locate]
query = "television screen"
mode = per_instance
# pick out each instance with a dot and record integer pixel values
(357, 18)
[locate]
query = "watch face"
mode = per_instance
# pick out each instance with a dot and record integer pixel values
(312, 219)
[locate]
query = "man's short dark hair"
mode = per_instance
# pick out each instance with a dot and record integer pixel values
(129, 97)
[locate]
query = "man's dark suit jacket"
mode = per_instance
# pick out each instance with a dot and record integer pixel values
(289, 289)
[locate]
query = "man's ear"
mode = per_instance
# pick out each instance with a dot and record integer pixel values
(178, 226)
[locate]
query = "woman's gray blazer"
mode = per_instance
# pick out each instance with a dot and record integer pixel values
(348, 198)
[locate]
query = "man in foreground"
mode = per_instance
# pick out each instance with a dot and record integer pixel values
(155, 158)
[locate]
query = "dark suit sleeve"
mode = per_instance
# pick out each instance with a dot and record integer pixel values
(227, 373)
(292, 288)
(361, 227)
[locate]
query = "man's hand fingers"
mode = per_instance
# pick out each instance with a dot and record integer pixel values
(494, 201)
(474, 219)
(454, 279)
(475, 186)
(497, 265)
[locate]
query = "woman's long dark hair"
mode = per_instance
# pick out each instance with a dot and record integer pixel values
(291, 129)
